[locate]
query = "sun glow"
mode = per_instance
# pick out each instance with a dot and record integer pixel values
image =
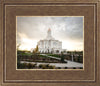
(26, 43)
(72, 45)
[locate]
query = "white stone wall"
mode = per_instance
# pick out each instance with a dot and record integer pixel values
(48, 46)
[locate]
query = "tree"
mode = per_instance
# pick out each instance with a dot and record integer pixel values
(62, 57)
(36, 50)
(18, 45)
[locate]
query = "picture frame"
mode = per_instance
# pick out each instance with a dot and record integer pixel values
(9, 9)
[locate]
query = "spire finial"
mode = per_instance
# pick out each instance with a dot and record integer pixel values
(49, 29)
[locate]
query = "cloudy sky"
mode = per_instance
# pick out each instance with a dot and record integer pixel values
(31, 29)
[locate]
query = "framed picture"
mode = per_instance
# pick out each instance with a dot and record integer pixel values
(48, 42)
(38, 49)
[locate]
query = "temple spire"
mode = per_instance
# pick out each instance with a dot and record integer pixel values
(49, 36)
(49, 32)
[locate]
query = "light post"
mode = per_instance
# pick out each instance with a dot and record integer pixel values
(72, 57)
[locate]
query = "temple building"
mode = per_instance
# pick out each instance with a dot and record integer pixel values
(50, 45)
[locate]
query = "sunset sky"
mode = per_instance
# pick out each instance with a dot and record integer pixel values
(69, 30)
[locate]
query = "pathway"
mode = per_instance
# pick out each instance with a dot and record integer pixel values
(68, 64)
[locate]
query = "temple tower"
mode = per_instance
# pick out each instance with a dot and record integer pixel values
(49, 36)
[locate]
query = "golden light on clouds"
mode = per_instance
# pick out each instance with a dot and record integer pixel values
(26, 43)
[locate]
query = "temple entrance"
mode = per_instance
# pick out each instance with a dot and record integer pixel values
(57, 51)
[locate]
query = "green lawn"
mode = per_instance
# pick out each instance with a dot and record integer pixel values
(25, 54)
(55, 55)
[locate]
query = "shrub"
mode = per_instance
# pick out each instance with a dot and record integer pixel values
(34, 65)
(40, 65)
(47, 65)
(23, 65)
(43, 66)
(51, 67)
(29, 65)
(81, 67)
(59, 67)
(18, 65)
(74, 67)
(66, 67)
